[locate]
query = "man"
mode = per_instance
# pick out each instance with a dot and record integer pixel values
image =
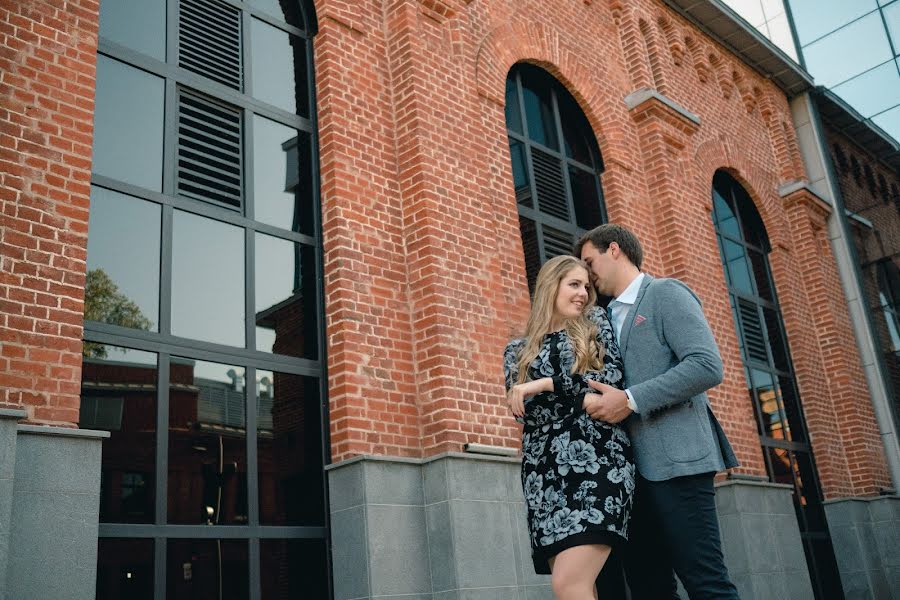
(671, 360)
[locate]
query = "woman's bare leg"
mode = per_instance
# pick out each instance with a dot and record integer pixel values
(575, 571)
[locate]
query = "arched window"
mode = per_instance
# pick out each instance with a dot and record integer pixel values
(744, 248)
(840, 158)
(203, 354)
(556, 165)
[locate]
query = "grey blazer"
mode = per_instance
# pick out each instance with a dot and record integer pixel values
(671, 359)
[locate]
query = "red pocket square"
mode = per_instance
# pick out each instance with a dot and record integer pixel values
(639, 319)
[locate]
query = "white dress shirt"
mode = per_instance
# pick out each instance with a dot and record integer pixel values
(618, 310)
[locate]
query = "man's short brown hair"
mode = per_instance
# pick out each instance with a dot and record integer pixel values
(604, 235)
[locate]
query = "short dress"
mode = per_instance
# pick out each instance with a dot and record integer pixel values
(578, 474)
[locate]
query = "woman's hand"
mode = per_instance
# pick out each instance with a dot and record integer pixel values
(519, 392)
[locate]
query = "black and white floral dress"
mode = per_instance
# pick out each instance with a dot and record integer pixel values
(577, 473)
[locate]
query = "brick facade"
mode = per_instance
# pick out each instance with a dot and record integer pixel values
(48, 54)
(424, 271)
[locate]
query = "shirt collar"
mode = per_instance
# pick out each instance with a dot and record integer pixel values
(631, 292)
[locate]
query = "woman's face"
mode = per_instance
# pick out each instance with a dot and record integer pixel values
(572, 297)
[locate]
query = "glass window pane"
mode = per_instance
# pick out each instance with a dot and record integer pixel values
(207, 570)
(124, 569)
(285, 298)
(282, 176)
(738, 266)
(773, 418)
(780, 34)
(585, 195)
(791, 403)
(815, 18)
(513, 113)
(873, 91)
(759, 263)
(207, 443)
(856, 48)
(118, 394)
(538, 108)
(520, 173)
(293, 569)
(724, 216)
(777, 343)
(782, 470)
(279, 68)
(122, 285)
(136, 24)
(207, 280)
(809, 500)
(291, 485)
(289, 12)
(577, 133)
(128, 124)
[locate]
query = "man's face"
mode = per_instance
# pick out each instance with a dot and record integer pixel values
(602, 266)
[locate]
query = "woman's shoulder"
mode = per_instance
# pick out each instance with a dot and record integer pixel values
(597, 315)
(514, 345)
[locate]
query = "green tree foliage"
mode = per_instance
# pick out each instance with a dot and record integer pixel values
(104, 302)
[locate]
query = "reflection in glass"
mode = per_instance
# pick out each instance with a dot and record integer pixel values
(810, 500)
(279, 68)
(777, 343)
(849, 51)
(282, 176)
(774, 421)
(782, 470)
(291, 486)
(118, 394)
(293, 569)
(585, 196)
(872, 91)
(735, 259)
(124, 569)
(136, 24)
(791, 406)
(815, 18)
(577, 133)
(289, 12)
(761, 275)
(285, 297)
(207, 570)
(724, 216)
(207, 280)
(128, 124)
(207, 443)
(513, 113)
(122, 286)
(536, 90)
(520, 173)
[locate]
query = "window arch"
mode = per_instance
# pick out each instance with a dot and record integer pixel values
(556, 165)
(203, 352)
(744, 248)
(840, 158)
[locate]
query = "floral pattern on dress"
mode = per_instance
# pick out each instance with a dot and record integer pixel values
(578, 475)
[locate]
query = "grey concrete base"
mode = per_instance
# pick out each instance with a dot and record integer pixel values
(8, 419)
(866, 537)
(55, 495)
(454, 528)
(761, 540)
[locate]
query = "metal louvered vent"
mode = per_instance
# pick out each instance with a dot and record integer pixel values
(532, 252)
(551, 189)
(209, 151)
(556, 242)
(209, 41)
(752, 330)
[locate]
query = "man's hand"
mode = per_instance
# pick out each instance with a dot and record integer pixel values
(607, 404)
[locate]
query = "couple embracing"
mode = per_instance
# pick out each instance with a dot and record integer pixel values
(620, 446)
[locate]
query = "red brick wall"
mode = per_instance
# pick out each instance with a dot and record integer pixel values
(47, 65)
(424, 270)
(425, 278)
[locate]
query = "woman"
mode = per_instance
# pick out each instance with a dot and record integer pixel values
(577, 473)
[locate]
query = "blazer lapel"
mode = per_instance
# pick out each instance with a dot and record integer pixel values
(632, 312)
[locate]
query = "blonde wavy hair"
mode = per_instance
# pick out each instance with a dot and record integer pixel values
(581, 331)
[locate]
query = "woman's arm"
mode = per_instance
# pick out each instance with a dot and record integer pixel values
(516, 393)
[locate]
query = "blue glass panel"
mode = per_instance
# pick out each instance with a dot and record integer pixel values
(123, 261)
(738, 267)
(815, 18)
(279, 68)
(207, 280)
(873, 91)
(128, 124)
(890, 122)
(282, 176)
(848, 52)
(513, 114)
(892, 18)
(289, 12)
(539, 109)
(724, 216)
(136, 24)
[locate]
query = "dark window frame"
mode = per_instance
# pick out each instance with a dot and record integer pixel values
(163, 343)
